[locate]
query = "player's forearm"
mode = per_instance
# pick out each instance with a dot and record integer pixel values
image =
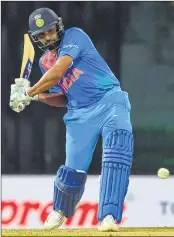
(52, 76)
(48, 80)
(53, 99)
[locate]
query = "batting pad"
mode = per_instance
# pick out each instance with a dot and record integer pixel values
(68, 189)
(116, 165)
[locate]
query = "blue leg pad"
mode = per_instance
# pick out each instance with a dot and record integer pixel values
(69, 186)
(116, 165)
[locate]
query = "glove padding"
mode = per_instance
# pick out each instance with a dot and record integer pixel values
(24, 84)
(15, 103)
(19, 97)
(16, 106)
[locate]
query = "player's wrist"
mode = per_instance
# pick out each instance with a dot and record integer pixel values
(36, 98)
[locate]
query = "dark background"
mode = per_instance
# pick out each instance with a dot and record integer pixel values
(137, 41)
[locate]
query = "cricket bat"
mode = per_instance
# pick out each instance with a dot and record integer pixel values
(28, 58)
(27, 61)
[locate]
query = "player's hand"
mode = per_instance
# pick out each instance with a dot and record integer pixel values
(14, 104)
(19, 97)
(24, 86)
(21, 82)
(17, 102)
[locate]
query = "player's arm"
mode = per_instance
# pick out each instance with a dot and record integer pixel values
(53, 99)
(52, 76)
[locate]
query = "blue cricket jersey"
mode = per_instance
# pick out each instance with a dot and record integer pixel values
(88, 78)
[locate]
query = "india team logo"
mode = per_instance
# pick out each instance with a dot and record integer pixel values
(39, 20)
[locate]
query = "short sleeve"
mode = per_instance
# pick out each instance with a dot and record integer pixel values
(73, 43)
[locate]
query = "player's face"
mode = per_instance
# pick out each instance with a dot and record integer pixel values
(48, 37)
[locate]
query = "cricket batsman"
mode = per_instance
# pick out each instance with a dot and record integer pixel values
(78, 78)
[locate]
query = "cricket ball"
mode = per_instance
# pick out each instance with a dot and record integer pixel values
(163, 173)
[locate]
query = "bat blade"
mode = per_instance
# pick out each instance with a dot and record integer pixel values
(28, 58)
